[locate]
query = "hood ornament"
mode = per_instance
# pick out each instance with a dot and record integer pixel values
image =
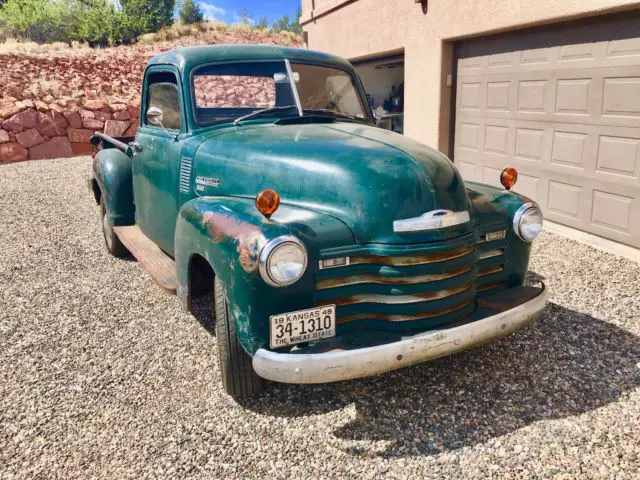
(433, 220)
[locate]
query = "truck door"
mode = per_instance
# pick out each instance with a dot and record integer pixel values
(156, 162)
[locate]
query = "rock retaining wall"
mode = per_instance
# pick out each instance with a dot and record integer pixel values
(33, 130)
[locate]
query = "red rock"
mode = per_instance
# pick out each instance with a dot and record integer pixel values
(133, 111)
(118, 107)
(52, 124)
(131, 131)
(84, 113)
(122, 115)
(92, 123)
(12, 152)
(82, 148)
(74, 119)
(29, 138)
(54, 148)
(77, 135)
(9, 110)
(21, 121)
(95, 104)
(115, 128)
(26, 104)
(102, 116)
(41, 106)
(4, 136)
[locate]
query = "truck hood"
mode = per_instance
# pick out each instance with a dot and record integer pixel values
(364, 176)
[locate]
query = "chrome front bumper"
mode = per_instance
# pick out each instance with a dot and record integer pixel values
(348, 364)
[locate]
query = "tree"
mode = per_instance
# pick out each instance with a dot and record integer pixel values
(144, 16)
(190, 12)
(281, 24)
(262, 24)
(245, 16)
(295, 26)
(284, 23)
(38, 20)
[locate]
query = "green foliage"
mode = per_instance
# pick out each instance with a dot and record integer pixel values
(97, 22)
(285, 24)
(262, 24)
(144, 16)
(190, 12)
(37, 20)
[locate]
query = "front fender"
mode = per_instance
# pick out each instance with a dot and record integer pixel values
(112, 171)
(230, 234)
(495, 208)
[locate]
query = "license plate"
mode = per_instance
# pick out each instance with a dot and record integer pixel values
(302, 326)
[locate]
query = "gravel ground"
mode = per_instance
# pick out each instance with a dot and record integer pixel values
(102, 375)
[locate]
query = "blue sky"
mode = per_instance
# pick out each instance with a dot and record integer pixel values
(227, 10)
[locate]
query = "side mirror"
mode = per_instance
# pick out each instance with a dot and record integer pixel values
(155, 116)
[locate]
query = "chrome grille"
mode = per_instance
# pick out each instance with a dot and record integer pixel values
(185, 174)
(425, 288)
(417, 287)
(490, 264)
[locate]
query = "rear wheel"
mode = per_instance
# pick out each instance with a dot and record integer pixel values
(111, 240)
(238, 377)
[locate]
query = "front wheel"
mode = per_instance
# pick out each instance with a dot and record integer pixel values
(111, 240)
(238, 377)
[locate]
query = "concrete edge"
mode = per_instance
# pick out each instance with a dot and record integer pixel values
(599, 243)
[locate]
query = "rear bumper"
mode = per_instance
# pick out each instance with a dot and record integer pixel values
(348, 364)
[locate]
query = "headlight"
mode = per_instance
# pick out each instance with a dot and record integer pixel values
(283, 260)
(527, 222)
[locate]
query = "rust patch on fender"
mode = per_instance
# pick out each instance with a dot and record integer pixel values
(248, 237)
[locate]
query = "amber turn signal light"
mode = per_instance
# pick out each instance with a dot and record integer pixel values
(267, 202)
(509, 177)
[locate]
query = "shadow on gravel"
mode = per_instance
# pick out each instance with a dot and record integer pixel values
(566, 364)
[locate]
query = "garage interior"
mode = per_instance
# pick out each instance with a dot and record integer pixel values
(561, 104)
(383, 81)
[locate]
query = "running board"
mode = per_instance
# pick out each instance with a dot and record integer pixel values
(154, 261)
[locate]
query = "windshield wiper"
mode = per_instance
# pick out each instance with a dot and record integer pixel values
(334, 113)
(260, 112)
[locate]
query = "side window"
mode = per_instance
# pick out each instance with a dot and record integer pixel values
(163, 93)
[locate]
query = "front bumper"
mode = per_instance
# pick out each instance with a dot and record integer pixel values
(339, 365)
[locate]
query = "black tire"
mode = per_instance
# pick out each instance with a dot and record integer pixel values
(111, 240)
(238, 377)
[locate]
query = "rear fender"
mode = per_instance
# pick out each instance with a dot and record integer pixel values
(113, 175)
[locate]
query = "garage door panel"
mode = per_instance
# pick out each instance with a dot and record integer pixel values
(562, 105)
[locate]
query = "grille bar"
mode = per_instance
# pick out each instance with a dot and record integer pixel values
(394, 299)
(379, 279)
(401, 318)
(489, 254)
(482, 272)
(408, 260)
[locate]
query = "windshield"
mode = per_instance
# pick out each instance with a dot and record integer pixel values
(326, 88)
(230, 91)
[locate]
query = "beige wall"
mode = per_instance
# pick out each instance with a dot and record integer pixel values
(365, 28)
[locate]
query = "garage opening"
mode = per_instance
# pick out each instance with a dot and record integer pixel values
(383, 80)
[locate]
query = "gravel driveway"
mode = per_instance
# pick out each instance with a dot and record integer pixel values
(102, 375)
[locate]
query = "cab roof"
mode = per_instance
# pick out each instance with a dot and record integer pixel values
(189, 57)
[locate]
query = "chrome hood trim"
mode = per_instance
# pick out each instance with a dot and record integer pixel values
(433, 220)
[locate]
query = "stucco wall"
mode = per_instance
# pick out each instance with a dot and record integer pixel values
(365, 28)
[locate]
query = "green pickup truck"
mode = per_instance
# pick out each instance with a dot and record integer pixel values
(332, 249)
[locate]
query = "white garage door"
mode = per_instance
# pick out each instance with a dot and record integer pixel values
(562, 105)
